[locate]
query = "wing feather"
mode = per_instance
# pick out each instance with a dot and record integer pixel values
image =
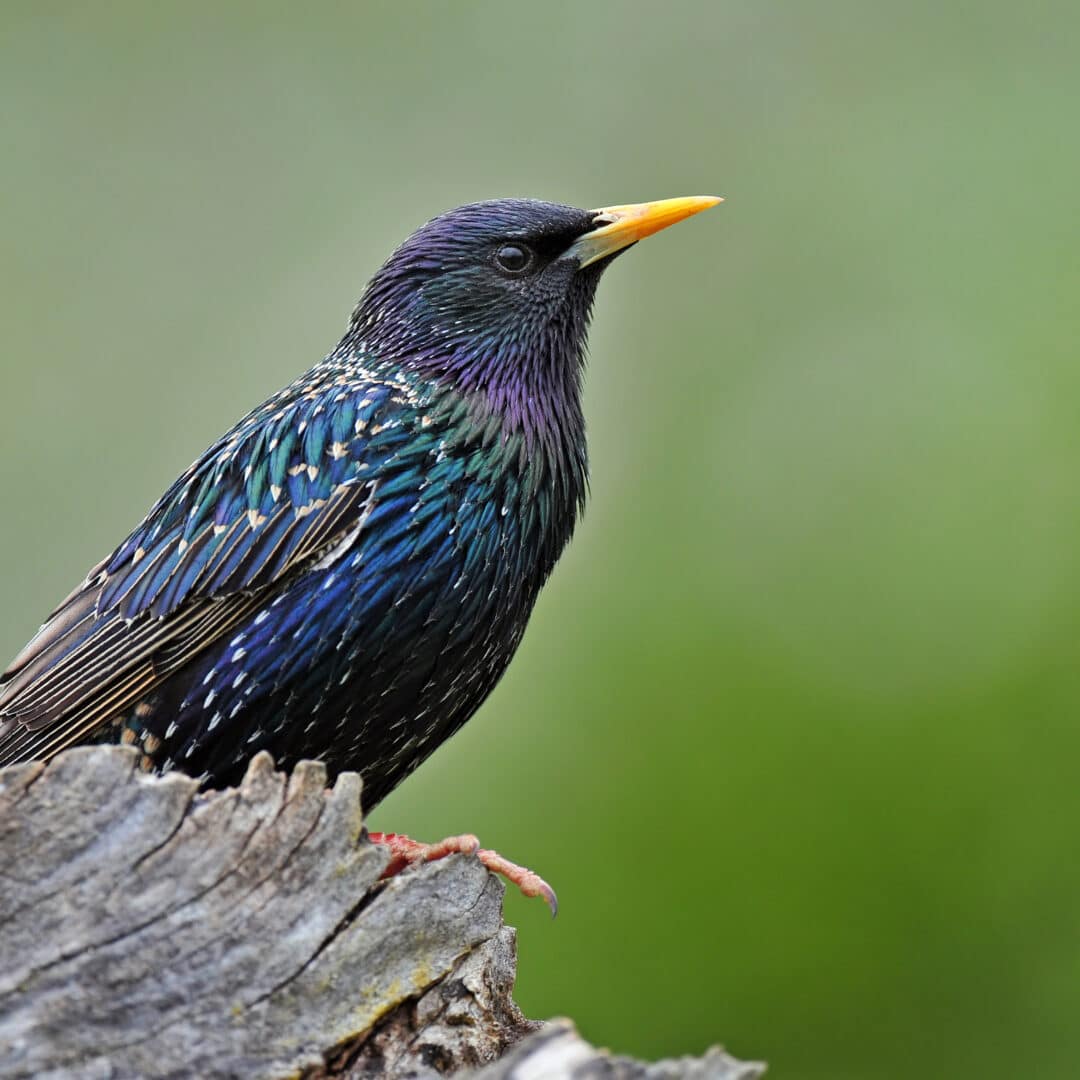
(263, 504)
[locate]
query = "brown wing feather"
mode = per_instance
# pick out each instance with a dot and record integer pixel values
(152, 649)
(141, 615)
(72, 611)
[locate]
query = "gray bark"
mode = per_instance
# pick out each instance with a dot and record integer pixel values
(150, 930)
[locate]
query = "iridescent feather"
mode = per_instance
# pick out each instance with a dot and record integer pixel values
(346, 573)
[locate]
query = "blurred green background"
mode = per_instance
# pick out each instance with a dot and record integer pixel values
(794, 730)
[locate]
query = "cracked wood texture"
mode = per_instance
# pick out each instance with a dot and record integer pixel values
(151, 930)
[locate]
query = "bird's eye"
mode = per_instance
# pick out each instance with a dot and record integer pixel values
(513, 258)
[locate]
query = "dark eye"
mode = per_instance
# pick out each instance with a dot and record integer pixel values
(513, 258)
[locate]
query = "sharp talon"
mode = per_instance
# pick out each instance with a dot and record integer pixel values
(530, 884)
(551, 900)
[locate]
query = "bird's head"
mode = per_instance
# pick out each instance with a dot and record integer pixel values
(493, 298)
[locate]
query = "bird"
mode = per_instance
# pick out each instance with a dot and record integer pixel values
(346, 574)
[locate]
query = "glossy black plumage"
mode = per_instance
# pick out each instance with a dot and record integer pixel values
(346, 574)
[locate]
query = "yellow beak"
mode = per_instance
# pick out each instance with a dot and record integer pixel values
(621, 226)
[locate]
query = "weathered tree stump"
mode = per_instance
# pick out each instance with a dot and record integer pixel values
(150, 930)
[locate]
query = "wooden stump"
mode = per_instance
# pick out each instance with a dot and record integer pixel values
(150, 930)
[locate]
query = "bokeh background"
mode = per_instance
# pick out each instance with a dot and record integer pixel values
(795, 729)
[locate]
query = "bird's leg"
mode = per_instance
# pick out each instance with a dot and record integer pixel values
(404, 851)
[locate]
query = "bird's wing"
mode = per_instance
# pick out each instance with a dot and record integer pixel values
(292, 481)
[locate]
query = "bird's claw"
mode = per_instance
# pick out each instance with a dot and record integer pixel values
(404, 852)
(530, 883)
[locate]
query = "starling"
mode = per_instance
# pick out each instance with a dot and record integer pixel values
(346, 574)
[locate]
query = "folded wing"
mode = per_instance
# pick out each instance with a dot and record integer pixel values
(292, 481)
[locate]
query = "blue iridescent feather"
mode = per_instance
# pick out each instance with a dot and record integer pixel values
(348, 571)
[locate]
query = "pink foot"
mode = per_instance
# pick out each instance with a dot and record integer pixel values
(405, 851)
